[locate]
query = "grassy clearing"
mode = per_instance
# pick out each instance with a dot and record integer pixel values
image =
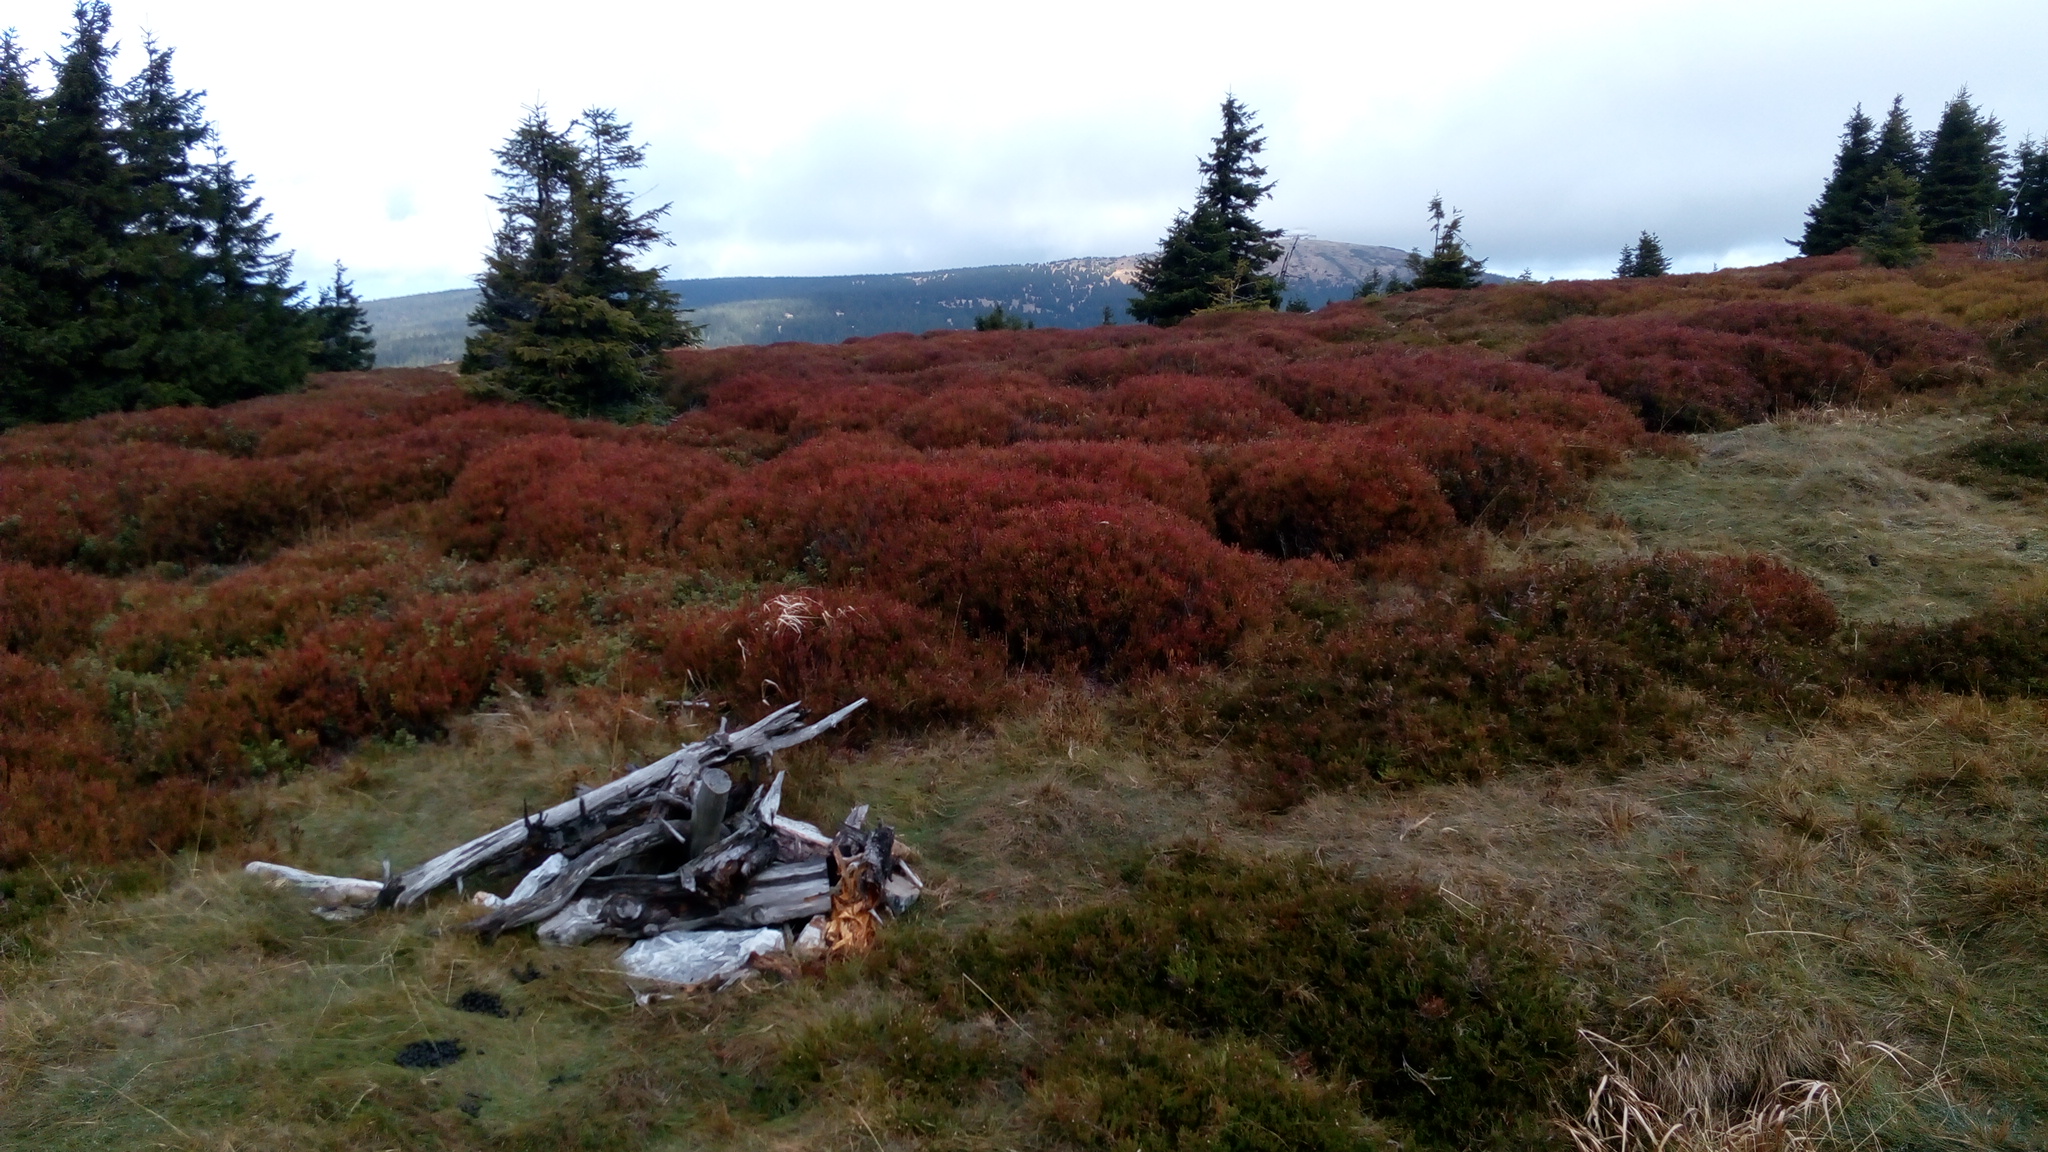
(1835, 493)
(1860, 903)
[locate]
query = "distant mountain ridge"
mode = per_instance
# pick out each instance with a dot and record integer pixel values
(430, 328)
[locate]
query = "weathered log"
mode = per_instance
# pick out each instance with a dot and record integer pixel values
(675, 774)
(575, 924)
(334, 897)
(716, 875)
(707, 809)
(780, 893)
(557, 893)
(796, 840)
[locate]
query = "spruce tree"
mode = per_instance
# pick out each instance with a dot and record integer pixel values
(1962, 186)
(248, 308)
(2029, 191)
(18, 142)
(1894, 239)
(1649, 257)
(1216, 254)
(565, 318)
(1625, 268)
(340, 328)
(132, 276)
(1839, 217)
(1898, 146)
(73, 198)
(1448, 265)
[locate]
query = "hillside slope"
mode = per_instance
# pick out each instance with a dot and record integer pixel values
(427, 329)
(1500, 719)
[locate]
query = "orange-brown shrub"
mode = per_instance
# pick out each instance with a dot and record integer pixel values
(1180, 407)
(1342, 495)
(1117, 589)
(1891, 342)
(553, 497)
(828, 647)
(1571, 662)
(896, 525)
(1170, 476)
(1682, 376)
(1385, 382)
(405, 671)
(46, 614)
(1492, 472)
(63, 793)
(167, 626)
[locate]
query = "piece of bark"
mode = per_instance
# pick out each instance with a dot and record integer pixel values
(857, 892)
(675, 773)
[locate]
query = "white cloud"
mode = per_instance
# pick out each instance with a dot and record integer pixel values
(824, 138)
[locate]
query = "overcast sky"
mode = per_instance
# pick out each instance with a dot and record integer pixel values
(813, 139)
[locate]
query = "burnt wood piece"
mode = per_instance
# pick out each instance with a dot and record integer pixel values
(675, 774)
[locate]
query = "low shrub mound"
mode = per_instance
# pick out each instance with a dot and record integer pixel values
(1567, 663)
(915, 667)
(558, 497)
(2001, 651)
(1115, 589)
(49, 614)
(1898, 344)
(1681, 378)
(1492, 472)
(64, 791)
(1336, 496)
(1744, 362)
(1223, 1004)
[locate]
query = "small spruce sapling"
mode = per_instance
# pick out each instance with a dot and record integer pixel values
(566, 319)
(341, 328)
(1002, 321)
(1895, 239)
(1448, 264)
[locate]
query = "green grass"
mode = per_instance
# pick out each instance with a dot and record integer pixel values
(1827, 492)
(1770, 908)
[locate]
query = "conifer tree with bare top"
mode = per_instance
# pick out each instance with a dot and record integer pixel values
(1216, 254)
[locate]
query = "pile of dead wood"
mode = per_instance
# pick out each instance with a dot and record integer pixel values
(690, 854)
